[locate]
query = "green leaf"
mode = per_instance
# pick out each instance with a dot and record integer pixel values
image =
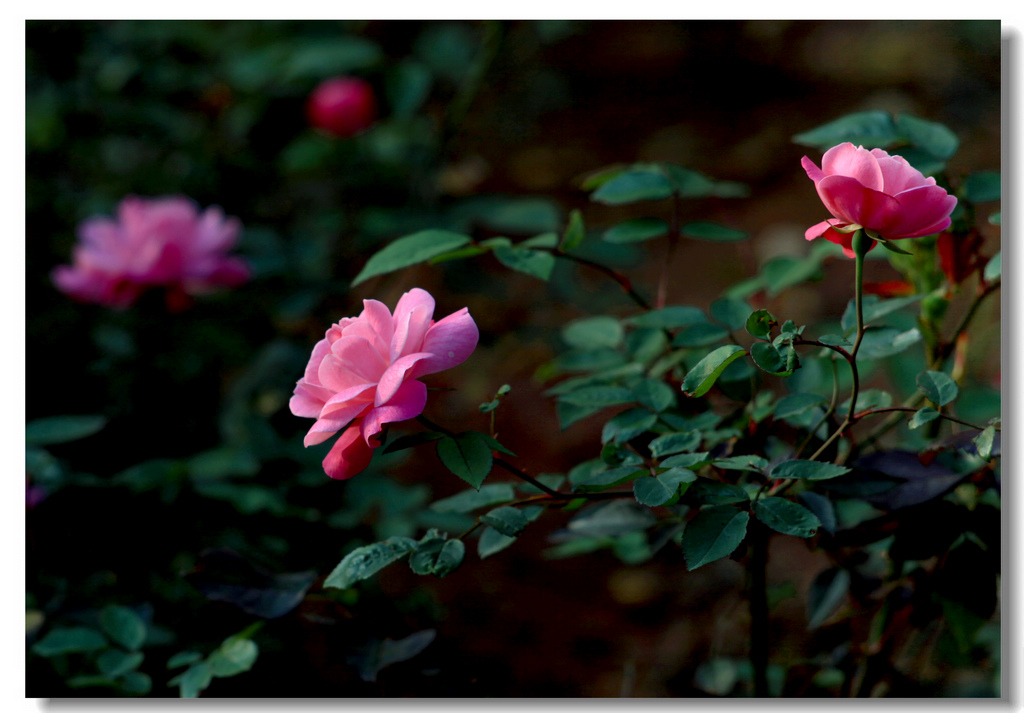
(636, 230)
(589, 360)
(598, 396)
(760, 322)
(754, 464)
(996, 218)
(796, 404)
(574, 231)
(669, 317)
(522, 216)
(609, 479)
(783, 272)
(822, 509)
(687, 182)
(702, 334)
(123, 626)
(662, 489)
(62, 429)
(113, 663)
(828, 590)
(412, 440)
(730, 312)
(670, 443)
(715, 533)
(654, 394)
(507, 520)
(982, 187)
(872, 129)
(323, 58)
(536, 263)
(632, 186)
(366, 561)
(236, 655)
(884, 342)
(410, 250)
(835, 340)
(807, 470)
(437, 555)
(468, 500)
(467, 455)
(136, 683)
(194, 681)
(612, 519)
(701, 230)
(685, 460)
(993, 268)
(938, 387)
(786, 517)
(495, 445)
(923, 416)
(984, 442)
(183, 658)
(491, 542)
(711, 492)
(593, 333)
(408, 85)
(69, 640)
(930, 136)
(702, 377)
(874, 309)
(628, 425)
(768, 359)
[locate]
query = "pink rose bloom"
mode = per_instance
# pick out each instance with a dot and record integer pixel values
(873, 190)
(364, 373)
(158, 242)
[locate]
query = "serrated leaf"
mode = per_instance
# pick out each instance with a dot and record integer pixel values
(702, 377)
(412, 440)
(123, 626)
(993, 268)
(715, 533)
(536, 263)
(759, 323)
(574, 231)
(632, 186)
(685, 460)
(662, 489)
(702, 334)
(670, 443)
(711, 492)
(713, 232)
(69, 640)
(410, 250)
(768, 359)
(467, 455)
(62, 429)
(807, 470)
(636, 230)
(938, 387)
(796, 404)
(364, 562)
(669, 317)
(628, 425)
(786, 517)
(754, 464)
(507, 520)
(828, 590)
(923, 416)
(593, 333)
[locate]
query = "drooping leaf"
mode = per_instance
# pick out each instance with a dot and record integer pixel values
(923, 416)
(713, 232)
(437, 555)
(467, 455)
(786, 517)
(807, 470)
(632, 186)
(364, 562)
(62, 429)
(937, 386)
(536, 263)
(984, 442)
(911, 482)
(380, 655)
(702, 377)
(123, 626)
(662, 489)
(491, 542)
(826, 594)
(410, 250)
(636, 230)
(713, 534)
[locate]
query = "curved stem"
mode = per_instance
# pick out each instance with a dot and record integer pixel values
(905, 409)
(621, 279)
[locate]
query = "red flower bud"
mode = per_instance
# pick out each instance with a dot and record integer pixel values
(342, 106)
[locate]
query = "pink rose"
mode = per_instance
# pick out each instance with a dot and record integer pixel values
(163, 242)
(873, 190)
(342, 106)
(364, 373)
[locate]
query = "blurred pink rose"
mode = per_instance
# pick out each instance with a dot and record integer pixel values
(364, 373)
(342, 106)
(163, 242)
(873, 190)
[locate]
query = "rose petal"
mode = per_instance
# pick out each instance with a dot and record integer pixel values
(408, 402)
(357, 356)
(854, 162)
(813, 172)
(349, 455)
(852, 202)
(921, 209)
(394, 376)
(449, 341)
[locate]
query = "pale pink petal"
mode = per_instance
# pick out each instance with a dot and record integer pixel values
(899, 176)
(854, 162)
(819, 229)
(395, 374)
(408, 402)
(850, 201)
(357, 355)
(306, 403)
(413, 315)
(449, 341)
(378, 316)
(349, 455)
(813, 172)
(327, 426)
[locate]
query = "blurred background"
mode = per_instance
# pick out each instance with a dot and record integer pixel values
(487, 128)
